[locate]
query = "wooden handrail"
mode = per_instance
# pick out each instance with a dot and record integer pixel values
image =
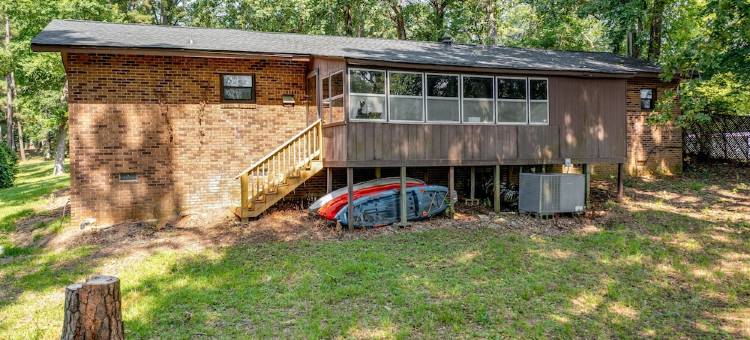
(275, 151)
(288, 159)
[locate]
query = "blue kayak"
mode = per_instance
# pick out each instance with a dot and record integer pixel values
(383, 208)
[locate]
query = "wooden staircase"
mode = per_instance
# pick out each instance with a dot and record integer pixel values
(281, 171)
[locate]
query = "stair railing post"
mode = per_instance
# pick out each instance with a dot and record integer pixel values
(244, 199)
(320, 139)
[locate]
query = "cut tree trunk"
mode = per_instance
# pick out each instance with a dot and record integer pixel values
(62, 134)
(93, 310)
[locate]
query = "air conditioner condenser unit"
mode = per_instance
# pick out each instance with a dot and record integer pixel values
(546, 194)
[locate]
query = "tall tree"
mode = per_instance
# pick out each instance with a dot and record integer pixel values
(657, 18)
(490, 8)
(397, 16)
(10, 87)
(166, 12)
(439, 9)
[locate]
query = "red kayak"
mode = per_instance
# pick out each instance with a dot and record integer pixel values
(330, 209)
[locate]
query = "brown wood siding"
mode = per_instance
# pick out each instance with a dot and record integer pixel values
(587, 124)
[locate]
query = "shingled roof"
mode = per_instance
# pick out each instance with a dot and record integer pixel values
(60, 34)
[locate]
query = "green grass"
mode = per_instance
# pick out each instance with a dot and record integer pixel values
(660, 270)
(34, 183)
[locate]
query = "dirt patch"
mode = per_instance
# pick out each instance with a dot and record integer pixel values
(287, 222)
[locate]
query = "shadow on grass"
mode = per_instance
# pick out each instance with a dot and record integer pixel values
(613, 283)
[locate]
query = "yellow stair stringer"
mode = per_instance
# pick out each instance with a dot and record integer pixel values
(292, 183)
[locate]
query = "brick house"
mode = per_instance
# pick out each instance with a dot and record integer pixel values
(167, 120)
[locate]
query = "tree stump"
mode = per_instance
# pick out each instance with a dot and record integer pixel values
(92, 309)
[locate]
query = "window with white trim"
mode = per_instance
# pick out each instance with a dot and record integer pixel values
(405, 96)
(367, 94)
(478, 99)
(336, 100)
(511, 100)
(538, 101)
(443, 101)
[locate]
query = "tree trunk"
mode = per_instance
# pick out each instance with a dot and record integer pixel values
(62, 134)
(20, 141)
(46, 146)
(654, 42)
(348, 20)
(438, 6)
(398, 18)
(10, 90)
(93, 310)
(491, 22)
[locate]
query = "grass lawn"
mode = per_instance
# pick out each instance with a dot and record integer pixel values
(34, 183)
(673, 261)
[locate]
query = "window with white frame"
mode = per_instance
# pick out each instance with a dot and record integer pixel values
(336, 100)
(511, 100)
(405, 96)
(367, 94)
(538, 101)
(478, 99)
(443, 101)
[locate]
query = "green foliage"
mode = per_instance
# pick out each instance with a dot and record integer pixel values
(704, 42)
(8, 166)
(722, 93)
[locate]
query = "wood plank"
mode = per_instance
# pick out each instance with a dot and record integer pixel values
(427, 140)
(369, 141)
(359, 133)
(377, 141)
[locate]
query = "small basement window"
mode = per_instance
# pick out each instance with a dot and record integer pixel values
(238, 88)
(648, 98)
(128, 177)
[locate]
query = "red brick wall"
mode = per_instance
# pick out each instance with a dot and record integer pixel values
(651, 148)
(161, 117)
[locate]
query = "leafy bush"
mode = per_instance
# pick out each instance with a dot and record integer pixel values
(8, 166)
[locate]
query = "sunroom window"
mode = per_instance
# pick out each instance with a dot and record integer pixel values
(336, 101)
(442, 98)
(538, 102)
(405, 96)
(478, 99)
(367, 94)
(511, 101)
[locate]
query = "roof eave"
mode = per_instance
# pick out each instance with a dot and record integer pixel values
(525, 71)
(36, 47)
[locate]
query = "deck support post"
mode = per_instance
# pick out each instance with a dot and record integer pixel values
(377, 172)
(586, 177)
(496, 186)
(620, 180)
(350, 196)
(329, 180)
(403, 199)
(452, 195)
(473, 179)
(244, 197)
